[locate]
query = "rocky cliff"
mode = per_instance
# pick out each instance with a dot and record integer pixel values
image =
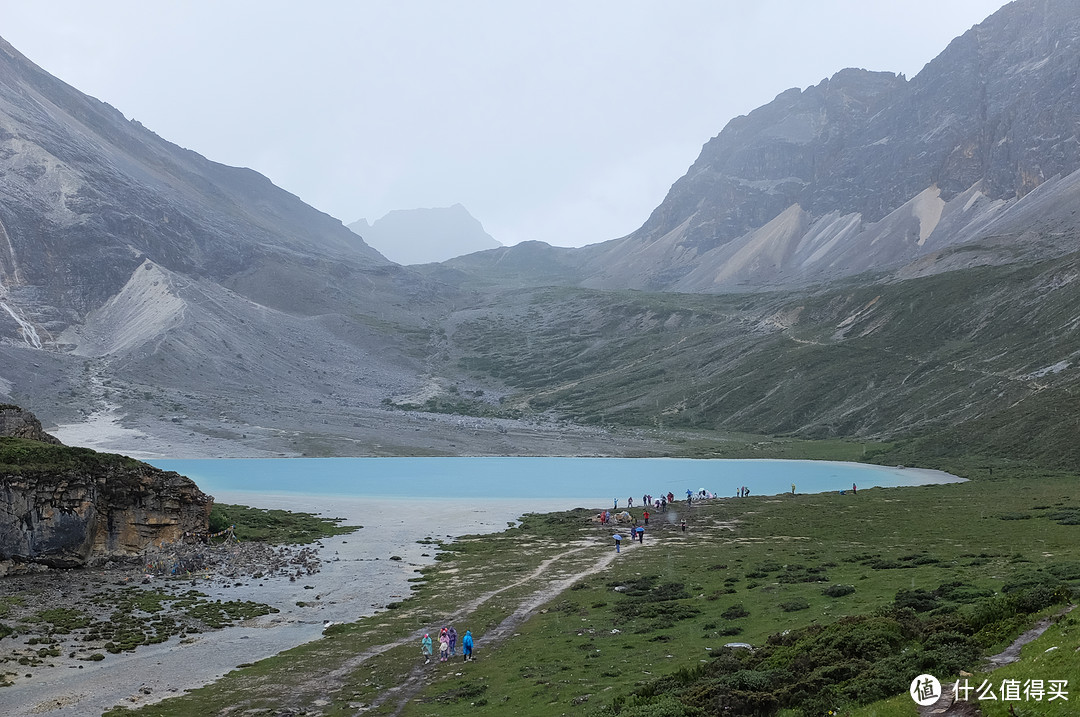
(69, 507)
(17, 423)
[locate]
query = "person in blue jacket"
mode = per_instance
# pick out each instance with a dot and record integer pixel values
(467, 645)
(425, 648)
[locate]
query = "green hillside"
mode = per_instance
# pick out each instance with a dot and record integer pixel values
(970, 361)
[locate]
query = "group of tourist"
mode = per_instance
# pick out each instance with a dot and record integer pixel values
(447, 645)
(637, 532)
(647, 501)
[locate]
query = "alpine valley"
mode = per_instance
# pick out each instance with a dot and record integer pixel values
(872, 257)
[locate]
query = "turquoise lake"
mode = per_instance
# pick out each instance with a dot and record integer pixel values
(595, 482)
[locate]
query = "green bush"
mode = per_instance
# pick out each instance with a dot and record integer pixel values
(795, 605)
(735, 612)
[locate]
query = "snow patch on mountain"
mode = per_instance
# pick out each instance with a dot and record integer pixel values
(927, 206)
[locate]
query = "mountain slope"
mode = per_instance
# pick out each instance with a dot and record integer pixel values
(991, 346)
(142, 284)
(87, 195)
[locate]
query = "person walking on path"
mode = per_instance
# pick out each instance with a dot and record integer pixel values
(618, 542)
(641, 535)
(467, 645)
(453, 640)
(425, 648)
(683, 526)
(793, 489)
(645, 515)
(444, 646)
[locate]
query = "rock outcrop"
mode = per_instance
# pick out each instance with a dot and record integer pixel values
(17, 423)
(69, 507)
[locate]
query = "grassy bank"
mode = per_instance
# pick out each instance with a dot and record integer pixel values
(275, 526)
(970, 565)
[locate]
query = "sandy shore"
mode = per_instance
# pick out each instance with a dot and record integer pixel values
(357, 578)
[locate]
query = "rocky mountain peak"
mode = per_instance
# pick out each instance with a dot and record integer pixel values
(998, 109)
(421, 236)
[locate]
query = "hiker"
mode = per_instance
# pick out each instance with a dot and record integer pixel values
(641, 535)
(854, 490)
(453, 640)
(444, 646)
(467, 645)
(683, 526)
(645, 515)
(663, 504)
(616, 505)
(793, 489)
(425, 648)
(618, 542)
(630, 502)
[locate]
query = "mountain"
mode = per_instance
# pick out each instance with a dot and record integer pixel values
(423, 236)
(155, 297)
(155, 302)
(887, 257)
(870, 171)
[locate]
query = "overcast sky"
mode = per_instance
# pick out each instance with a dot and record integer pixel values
(561, 121)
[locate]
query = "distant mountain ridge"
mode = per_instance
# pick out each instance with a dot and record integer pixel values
(424, 236)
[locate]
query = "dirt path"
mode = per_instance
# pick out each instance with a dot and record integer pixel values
(329, 682)
(525, 609)
(948, 706)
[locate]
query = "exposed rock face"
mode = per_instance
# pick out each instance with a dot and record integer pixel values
(67, 507)
(860, 171)
(17, 423)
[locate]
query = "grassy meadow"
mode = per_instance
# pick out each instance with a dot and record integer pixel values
(845, 599)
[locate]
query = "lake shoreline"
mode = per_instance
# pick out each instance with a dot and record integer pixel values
(360, 573)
